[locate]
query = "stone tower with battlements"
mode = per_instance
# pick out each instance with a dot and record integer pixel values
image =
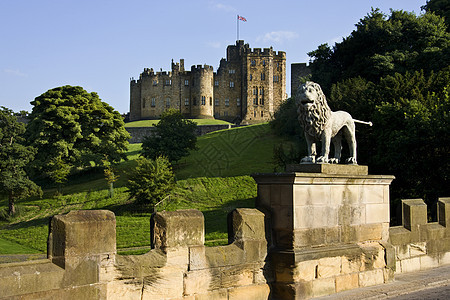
(248, 87)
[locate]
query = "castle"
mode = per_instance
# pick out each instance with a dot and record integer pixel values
(248, 87)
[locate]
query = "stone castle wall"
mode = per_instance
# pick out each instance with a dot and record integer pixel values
(249, 85)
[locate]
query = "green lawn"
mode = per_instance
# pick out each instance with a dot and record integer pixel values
(8, 247)
(149, 123)
(214, 179)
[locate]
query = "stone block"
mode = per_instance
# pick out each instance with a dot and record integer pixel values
(373, 194)
(350, 264)
(315, 216)
(345, 195)
(282, 218)
(329, 267)
(418, 249)
(255, 251)
(246, 224)
(332, 235)
(309, 237)
(81, 233)
(398, 235)
(331, 169)
(370, 278)
(197, 258)
(178, 257)
(414, 213)
(220, 294)
(377, 213)
(181, 228)
(297, 290)
(224, 255)
(264, 195)
(197, 282)
(445, 259)
(347, 282)
(444, 212)
(428, 262)
(306, 271)
(236, 276)
(323, 287)
(371, 232)
(410, 265)
(256, 292)
(350, 233)
(168, 284)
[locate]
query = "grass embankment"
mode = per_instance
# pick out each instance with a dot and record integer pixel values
(213, 179)
(149, 123)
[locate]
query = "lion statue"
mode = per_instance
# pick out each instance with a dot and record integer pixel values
(322, 124)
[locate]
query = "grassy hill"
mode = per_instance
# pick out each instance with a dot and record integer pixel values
(214, 179)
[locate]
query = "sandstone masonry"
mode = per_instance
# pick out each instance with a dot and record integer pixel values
(248, 87)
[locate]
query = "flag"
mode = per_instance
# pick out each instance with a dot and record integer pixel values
(241, 18)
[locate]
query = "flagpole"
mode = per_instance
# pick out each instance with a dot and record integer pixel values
(237, 22)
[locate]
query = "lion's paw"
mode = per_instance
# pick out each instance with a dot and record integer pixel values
(351, 161)
(308, 160)
(333, 160)
(322, 160)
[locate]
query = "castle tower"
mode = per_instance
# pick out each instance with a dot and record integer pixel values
(202, 105)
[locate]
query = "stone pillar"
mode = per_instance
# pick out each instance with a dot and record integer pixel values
(330, 226)
(84, 244)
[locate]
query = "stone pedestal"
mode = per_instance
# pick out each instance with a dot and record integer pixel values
(330, 226)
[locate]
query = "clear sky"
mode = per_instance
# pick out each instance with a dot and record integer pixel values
(100, 44)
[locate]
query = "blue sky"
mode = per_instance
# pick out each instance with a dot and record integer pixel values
(100, 45)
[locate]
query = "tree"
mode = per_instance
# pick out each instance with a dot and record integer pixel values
(151, 181)
(14, 157)
(111, 175)
(173, 137)
(70, 128)
(440, 8)
(384, 45)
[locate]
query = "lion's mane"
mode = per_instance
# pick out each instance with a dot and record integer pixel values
(314, 119)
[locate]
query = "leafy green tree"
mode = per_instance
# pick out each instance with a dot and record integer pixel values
(70, 128)
(111, 175)
(14, 157)
(173, 137)
(151, 181)
(383, 45)
(440, 8)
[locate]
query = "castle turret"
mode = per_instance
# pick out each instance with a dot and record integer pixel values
(202, 92)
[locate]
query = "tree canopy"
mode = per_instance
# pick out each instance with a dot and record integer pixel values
(14, 157)
(70, 127)
(383, 45)
(173, 137)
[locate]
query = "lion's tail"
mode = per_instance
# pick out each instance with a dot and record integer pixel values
(363, 122)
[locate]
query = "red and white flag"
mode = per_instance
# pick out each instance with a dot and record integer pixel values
(241, 18)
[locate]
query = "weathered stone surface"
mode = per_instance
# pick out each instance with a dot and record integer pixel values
(178, 229)
(347, 282)
(372, 277)
(414, 213)
(197, 282)
(331, 169)
(329, 267)
(323, 287)
(410, 264)
(444, 212)
(256, 292)
(220, 294)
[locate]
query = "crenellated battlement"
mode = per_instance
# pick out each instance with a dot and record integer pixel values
(199, 68)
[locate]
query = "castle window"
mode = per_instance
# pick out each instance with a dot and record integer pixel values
(264, 62)
(225, 114)
(238, 102)
(231, 84)
(253, 63)
(168, 82)
(275, 78)
(168, 102)
(186, 101)
(261, 91)
(153, 102)
(186, 82)
(210, 101)
(231, 71)
(263, 76)
(155, 82)
(255, 101)
(216, 83)
(261, 101)
(203, 100)
(255, 91)
(251, 77)
(216, 102)
(227, 102)
(254, 114)
(262, 114)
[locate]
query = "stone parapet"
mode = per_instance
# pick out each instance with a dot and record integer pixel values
(418, 244)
